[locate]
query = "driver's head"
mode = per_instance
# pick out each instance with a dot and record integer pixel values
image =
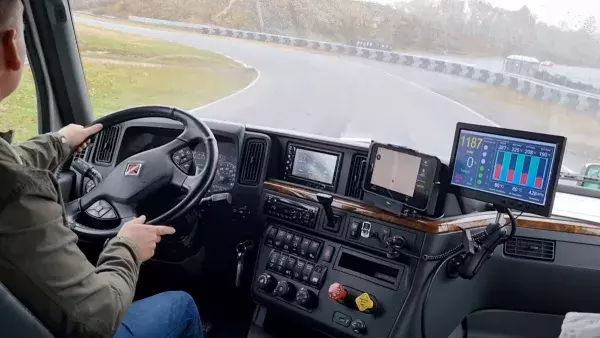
(12, 46)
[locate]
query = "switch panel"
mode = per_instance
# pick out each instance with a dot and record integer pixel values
(375, 235)
(296, 268)
(289, 241)
(298, 263)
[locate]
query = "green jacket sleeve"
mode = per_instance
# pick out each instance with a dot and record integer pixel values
(43, 151)
(42, 265)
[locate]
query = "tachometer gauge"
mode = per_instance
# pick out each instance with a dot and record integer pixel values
(226, 175)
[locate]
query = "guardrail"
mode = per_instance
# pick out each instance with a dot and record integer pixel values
(580, 101)
(555, 86)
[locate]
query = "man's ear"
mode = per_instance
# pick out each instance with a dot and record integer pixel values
(11, 51)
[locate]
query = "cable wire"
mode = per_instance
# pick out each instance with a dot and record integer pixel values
(455, 252)
(477, 238)
(433, 275)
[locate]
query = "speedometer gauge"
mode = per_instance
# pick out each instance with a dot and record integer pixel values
(225, 175)
(226, 165)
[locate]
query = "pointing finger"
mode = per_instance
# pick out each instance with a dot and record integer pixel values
(162, 230)
(91, 130)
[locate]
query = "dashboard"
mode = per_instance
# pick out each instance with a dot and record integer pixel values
(328, 256)
(139, 139)
(227, 164)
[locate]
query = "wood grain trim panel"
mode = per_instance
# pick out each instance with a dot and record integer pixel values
(432, 226)
(559, 225)
(443, 225)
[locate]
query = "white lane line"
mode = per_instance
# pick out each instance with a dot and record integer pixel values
(258, 74)
(234, 60)
(564, 167)
(371, 68)
(439, 95)
(121, 27)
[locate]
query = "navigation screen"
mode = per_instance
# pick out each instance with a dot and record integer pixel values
(314, 166)
(396, 171)
(507, 166)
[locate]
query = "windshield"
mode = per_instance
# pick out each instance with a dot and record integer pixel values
(403, 72)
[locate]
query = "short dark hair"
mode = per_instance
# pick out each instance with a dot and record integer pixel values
(8, 12)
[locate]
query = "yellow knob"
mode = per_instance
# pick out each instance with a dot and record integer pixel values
(364, 302)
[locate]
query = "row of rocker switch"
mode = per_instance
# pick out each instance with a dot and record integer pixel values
(296, 268)
(289, 241)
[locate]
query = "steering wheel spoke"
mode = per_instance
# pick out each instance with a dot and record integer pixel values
(179, 178)
(124, 212)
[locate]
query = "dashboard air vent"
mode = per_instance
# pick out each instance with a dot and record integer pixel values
(356, 175)
(530, 248)
(252, 161)
(83, 155)
(106, 145)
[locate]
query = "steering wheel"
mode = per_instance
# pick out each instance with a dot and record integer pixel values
(113, 201)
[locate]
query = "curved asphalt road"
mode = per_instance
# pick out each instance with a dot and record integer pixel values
(339, 96)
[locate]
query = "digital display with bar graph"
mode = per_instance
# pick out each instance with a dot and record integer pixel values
(507, 166)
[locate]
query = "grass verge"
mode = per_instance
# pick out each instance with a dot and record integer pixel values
(124, 70)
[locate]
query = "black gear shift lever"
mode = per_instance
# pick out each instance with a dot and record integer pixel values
(326, 201)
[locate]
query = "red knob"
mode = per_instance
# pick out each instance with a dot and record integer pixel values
(337, 292)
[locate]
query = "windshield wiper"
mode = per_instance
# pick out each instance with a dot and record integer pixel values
(578, 178)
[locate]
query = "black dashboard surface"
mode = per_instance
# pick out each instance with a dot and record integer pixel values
(137, 139)
(507, 282)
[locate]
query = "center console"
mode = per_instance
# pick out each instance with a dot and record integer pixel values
(349, 280)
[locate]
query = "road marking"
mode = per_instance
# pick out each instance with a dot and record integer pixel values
(439, 95)
(564, 167)
(103, 24)
(258, 74)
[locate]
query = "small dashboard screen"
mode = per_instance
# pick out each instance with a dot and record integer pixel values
(315, 166)
(512, 167)
(396, 171)
(401, 175)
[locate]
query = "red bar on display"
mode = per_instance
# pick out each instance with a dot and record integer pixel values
(523, 179)
(511, 175)
(538, 182)
(497, 171)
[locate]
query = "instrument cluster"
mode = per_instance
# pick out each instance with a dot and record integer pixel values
(227, 164)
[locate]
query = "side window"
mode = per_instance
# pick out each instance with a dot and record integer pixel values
(19, 110)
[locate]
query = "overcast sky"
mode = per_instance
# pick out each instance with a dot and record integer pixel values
(550, 11)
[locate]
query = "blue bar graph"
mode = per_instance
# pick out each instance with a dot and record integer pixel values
(505, 166)
(519, 168)
(533, 170)
(542, 169)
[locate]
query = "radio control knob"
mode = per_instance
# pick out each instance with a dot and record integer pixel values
(306, 298)
(285, 290)
(358, 326)
(266, 282)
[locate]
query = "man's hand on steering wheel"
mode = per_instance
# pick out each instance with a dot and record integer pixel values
(112, 203)
(78, 137)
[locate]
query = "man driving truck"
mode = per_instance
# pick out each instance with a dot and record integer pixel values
(40, 262)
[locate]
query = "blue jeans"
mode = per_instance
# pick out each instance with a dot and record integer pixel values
(170, 314)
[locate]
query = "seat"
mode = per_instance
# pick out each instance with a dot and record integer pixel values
(16, 320)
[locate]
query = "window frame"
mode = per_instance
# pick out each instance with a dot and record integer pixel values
(56, 65)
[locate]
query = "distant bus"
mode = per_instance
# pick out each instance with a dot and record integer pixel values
(372, 44)
(522, 65)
